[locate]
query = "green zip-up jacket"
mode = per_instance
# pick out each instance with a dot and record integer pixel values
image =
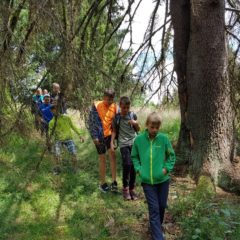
(150, 156)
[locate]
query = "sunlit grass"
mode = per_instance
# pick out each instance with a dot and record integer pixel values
(170, 120)
(36, 205)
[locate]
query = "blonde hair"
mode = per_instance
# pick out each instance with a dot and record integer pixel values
(153, 118)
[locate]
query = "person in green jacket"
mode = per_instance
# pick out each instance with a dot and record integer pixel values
(153, 158)
(60, 128)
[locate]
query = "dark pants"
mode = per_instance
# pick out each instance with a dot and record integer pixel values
(128, 174)
(156, 196)
(44, 128)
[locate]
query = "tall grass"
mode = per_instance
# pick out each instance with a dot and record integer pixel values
(38, 205)
(170, 120)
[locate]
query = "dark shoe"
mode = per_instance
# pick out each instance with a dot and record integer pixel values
(114, 187)
(133, 195)
(104, 188)
(56, 170)
(126, 194)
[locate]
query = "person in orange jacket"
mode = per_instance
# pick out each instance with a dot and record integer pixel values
(100, 128)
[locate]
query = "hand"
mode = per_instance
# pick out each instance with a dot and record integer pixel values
(96, 141)
(113, 146)
(164, 171)
(132, 122)
(82, 139)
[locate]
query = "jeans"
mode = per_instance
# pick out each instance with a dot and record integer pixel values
(129, 175)
(156, 196)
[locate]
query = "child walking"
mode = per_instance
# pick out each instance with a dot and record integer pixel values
(46, 114)
(153, 158)
(125, 127)
(100, 128)
(61, 127)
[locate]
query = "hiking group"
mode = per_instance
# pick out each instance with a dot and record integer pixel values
(148, 153)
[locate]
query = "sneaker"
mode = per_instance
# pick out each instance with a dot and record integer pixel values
(104, 188)
(114, 187)
(133, 195)
(56, 170)
(126, 194)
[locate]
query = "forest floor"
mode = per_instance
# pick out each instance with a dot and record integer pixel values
(37, 205)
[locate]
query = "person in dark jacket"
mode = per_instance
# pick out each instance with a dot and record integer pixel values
(46, 114)
(100, 128)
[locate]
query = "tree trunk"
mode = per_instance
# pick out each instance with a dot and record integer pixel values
(209, 111)
(180, 11)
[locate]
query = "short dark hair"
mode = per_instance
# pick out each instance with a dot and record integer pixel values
(53, 106)
(124, 100)
(109, 93)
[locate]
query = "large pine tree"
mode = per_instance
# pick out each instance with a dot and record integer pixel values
(200, 55)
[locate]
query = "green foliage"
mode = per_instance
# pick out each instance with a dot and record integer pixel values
(202, 216)
(78, 48)
(170, 120)
(171, 128)
(138, 101)
(14, 118)
(205, 188)
(37, 205)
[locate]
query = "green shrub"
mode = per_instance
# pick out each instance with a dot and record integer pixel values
(201, 216)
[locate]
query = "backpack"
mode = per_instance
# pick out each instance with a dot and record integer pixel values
(118, 120)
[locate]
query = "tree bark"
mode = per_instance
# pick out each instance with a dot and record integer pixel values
(208, 113)
(180, 11)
